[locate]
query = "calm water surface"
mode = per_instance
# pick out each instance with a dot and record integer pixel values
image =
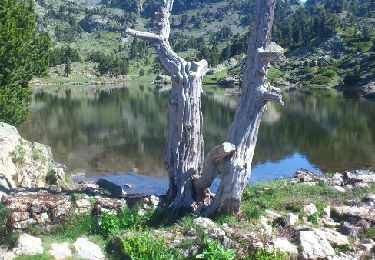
(120, 130)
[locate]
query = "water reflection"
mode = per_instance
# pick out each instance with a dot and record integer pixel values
(123, 129)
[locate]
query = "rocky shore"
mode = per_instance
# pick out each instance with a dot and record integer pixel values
(336, 231)
(305, 217)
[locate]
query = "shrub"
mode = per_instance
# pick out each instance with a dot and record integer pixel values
(313, 218)
(143, 247)
(131, 219)
(273, 74)
(320, 80)
(328, 72)
(353, 76)
(214, 250)
(107, 224)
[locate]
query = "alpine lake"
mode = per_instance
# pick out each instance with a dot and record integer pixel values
(119, 132)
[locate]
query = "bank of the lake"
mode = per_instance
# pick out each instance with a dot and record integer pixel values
(306, 217)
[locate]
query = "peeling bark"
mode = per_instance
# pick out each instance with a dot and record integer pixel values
(256, 92)
(184, 148)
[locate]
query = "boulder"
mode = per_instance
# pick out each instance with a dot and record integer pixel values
(60, 251)
(28, 245)
(291, 219)
(332, 236)
(114, 189)
(88, 250)
(364, 212)
(209, 227)
(265, 229)
(8, 256)
(285, 246)
(271, 215)
(229, 82)
(26, 164)
(314, 246)
(310, 209)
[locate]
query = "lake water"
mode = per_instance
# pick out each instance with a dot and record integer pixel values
(120, 132)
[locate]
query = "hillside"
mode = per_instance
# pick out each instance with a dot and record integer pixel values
(328, 43)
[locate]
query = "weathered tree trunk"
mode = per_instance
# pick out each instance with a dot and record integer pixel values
(234, 164)
(184, 148)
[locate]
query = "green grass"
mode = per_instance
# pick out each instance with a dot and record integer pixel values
(284, 197)
(214, 78)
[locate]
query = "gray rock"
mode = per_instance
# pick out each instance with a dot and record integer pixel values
(60, 251)
(8, 256)
(271, 215)
(285, 246)
(291, 219)
(314, 246)
(88, 250)
(115, 190)
(332, 236)
(367, 213)
(310, 209)
(26, 164)
(28, 245)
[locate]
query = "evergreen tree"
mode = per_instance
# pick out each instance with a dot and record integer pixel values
(68, 67)
(23, 54)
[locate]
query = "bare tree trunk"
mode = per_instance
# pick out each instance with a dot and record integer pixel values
(234, 165)
(184, 149)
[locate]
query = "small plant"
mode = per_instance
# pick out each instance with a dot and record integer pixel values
(265, 255)
(18, 155)
(313, 218)
(369, 232)
(107, 224)
(37, 155)
(144, 247)
(214, 250)
(51, 178)
(133, 218)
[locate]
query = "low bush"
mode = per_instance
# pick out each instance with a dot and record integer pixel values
(107, 224)
(143, 246)
(320, 80)
(214, 250)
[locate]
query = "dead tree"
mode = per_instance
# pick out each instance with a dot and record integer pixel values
(184, 148)
(190, 176)
(232, 160)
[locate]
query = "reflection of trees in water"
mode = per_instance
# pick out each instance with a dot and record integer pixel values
(119, 129)
(334, 133)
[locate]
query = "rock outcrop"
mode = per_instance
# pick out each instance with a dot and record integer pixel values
(26, 164)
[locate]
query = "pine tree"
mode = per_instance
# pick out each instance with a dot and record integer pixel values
(23, 54)
(68, 67)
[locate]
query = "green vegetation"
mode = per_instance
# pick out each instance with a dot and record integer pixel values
(133, 234)
(214, 250)
(18, 155)
(144, 246)
(24, 54)
(266, 255)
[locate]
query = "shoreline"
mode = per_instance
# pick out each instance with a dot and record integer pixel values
(279, 213)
